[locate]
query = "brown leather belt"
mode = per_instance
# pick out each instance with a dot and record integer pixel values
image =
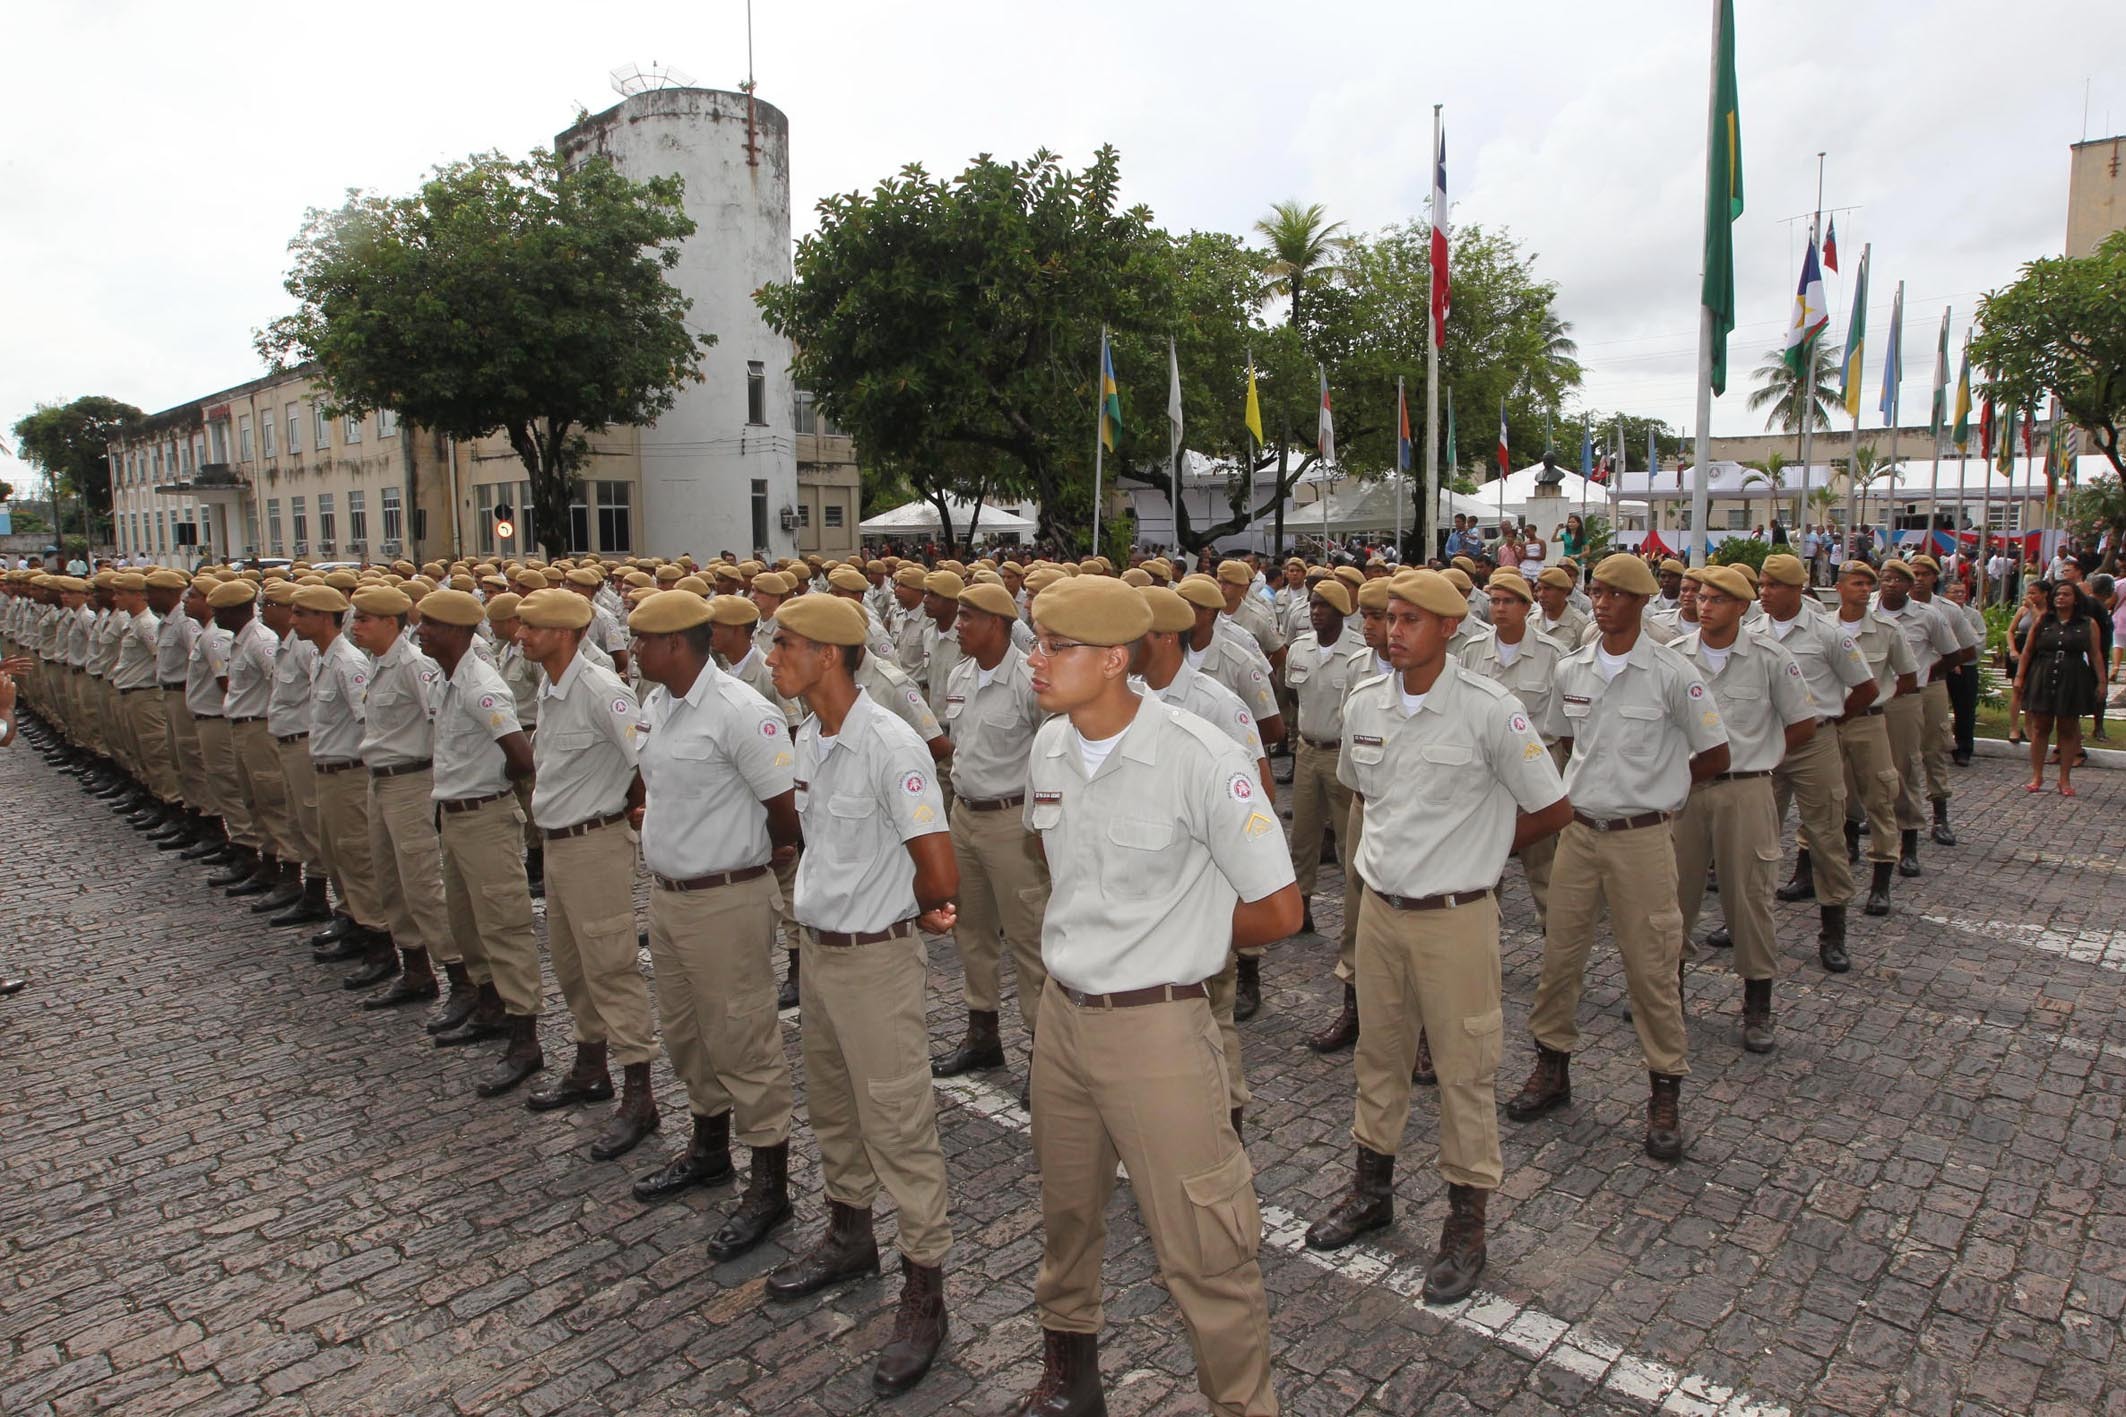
(467, 804)
(1621, 824)
(250, 718)
(403, 768)
(178, 687)
(842, 940)
(996, 804)
(316, 766)
(1327, 745)
(289, 737)
(1741, 776)
(711, 881)
(1134, 998)
(140, 689)
(585, 828)
(1871, 712)
(1433, 902)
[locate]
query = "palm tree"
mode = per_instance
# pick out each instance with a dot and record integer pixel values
(1559, 352)
(1780, 390)
(1863, 470)
(1303, 242)
(1772, 475)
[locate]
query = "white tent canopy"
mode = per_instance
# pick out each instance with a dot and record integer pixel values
(1517, 493)
(920, 518)
(1372, 505)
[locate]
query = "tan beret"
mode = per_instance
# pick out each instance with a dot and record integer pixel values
(1669, 566)
(1235, 572)
(452, 607)
(666, 612)
(637, 594)
(1556, 576)
(1923, 559)
(1336, 593)
(160, 579)
(991, 598)
(382, 600)
(1429, 590)
(1511, 582)
(847, 578)
(1291, 561)
(503, 606)
(642, 578)
(1040, 578)
(462, 582)
(1785, 569)
(1350, 576)
(554, 609)
(432, 569)
(1463, 563)
(874, 567)
(1170, 613)
(945, 583)
(1626, 572)
(129, 581)
(321, 598)
(1200, 590)
(1137, 576)
(1896, 567)
(669, 574)
(1856, 567)
(1373, 595)
(750, 568)
(343, 580)
(733, 610)
(1094, 610)
(692, 585)
(1459, 579)
(102, 579)
(1749, 573)
(775, 582)
(825, 620)
(910, 575)
(281, 593)
(230, 593)
(1728, 580)
(584, 576)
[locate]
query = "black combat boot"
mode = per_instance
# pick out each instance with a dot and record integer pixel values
(635, 1117)
(1803, 886)
(1757, 1015)
(586, 1080)
(1879, 891)
(705, 1162)
(980, 1051)
(1070, 1378)
(1830, 939)
(519, 1061)
(1247, 988)
(1548, 1088)
(1342, 1031)
(1368, 1206)
(1664, 1122)
(1908, 853)
(846, 1251)
(1944, 835)
(918, 1330)
(1461, 1246)
(765, 1205)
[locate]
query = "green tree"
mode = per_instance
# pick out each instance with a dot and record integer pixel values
(1785, 396)
(1304, 245)
(2060, 330)
(938, 319)
(2096, 507)
(1864, 469)
(527, 298)
(71, 444)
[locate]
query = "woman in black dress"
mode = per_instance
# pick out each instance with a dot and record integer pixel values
(2059, 679)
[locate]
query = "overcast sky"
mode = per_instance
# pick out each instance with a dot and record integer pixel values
(164, 154)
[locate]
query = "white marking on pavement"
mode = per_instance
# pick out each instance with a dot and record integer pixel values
(2104, 948)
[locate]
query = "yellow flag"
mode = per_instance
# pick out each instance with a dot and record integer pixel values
(1253, 417)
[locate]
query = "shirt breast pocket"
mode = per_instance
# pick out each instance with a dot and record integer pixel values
(849, 834)
(1138, 864)
(1046, 816)
(1297, 672)
(1640, 732)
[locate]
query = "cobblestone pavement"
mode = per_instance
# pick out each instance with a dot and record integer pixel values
(227, 1190)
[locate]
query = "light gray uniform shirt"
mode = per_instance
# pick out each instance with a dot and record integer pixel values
(339, 692)
(251, 658)
(397, 726)
(709, 759)
(1759, 690)
(138, 652)
(1831, 665)
(473, 710)
(209, 663)
(294, 666)
(1632, 736)
(991, 716)
(1529, 670)
(862, 795)
(584, 756)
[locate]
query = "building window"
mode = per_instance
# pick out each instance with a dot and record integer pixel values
(1738, 518)
(805, 416)
(243, 438)
(195, 454)
(357, 520)
(324, 519)
(162, 537)
(760, 514)
(135, 462)
(299, 526)
(833, 514)
(266, 433)
(804, 514)
(756, 392)
(391, 513)
(273, 526)
(387, 423)
(250, 528)
(615, 529)
(579, 519)
(295, 429)
(323, 429)
(353, 428)
(218, 438)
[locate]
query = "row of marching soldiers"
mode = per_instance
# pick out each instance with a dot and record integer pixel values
(969, 754)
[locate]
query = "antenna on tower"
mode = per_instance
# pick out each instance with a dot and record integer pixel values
(752, 128)
(632, 79)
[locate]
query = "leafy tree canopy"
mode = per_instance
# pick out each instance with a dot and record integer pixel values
(70, 443)
(2060, 330)
(527, 298)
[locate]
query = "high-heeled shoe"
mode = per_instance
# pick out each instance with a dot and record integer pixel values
(2066, 789)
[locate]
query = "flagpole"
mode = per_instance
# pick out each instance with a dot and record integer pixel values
(1401, 474)
(1431, 532)
(1808, 410)
(1895, 394)
(1099, 443)
(1695, 553)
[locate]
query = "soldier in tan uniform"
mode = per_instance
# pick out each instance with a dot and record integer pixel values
(1165, 856)
(1643, 728)
(302, 898)
(991, 714)
(206, 689)
(1919, 721)
(1812, 776)
(1561, 619)
(252, 652)
(1318, 670)
(1246, 612)
(523, 677)
(877, 872)
(717, 764)
(1731, 822)
(338, 694)
(1937, 740)
(1872, 780)
(140, 700)
(1519, 656)
(1456, 779)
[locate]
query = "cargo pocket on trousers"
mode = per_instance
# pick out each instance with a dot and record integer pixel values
(1486, 1034)
(615, 932)
(903, 1106)
(748, 1004)
(509, 903)
(1228, 1226)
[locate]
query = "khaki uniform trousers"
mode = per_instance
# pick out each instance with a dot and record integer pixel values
(1935, 741)
(1734, 825)
(1318, 800)
(1872, 781)
(1003, 891)
(713, 954)
(409, 863)
(1906, 719)
(1221, 989)
(488, 902)
(867, 1083)
(590, 932)
(1435, 970)
(88, 697)
(151, 735)
(1146, 1086)
(1813, 778)
(258, 763)
(345, 843)
(1352, 830)
(1538, 858)
(184, 752)
(301, 781)
(1635, 873)
(217, 755)
(789, 935)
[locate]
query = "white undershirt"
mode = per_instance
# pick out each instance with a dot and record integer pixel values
(1192, 655)
(1783, 628)
(983, 676)
(1610, 665)
(1094, 751)
(1717, 658)
(1507, 653)
(1412, 702)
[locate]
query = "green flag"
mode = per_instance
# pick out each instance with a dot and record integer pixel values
(1723, 198)
(1450, 435)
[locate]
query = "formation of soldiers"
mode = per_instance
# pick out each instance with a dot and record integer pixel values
(1063, 766)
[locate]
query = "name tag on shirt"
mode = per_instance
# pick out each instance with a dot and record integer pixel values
(1043, 799)
(1366, 740)
(1576, 699)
